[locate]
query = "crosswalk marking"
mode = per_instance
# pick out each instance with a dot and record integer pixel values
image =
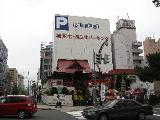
(77, 114)
(156, 114)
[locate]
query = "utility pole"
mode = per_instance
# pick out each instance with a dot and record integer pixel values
(94, 91)
(98, 62)
(28, 87)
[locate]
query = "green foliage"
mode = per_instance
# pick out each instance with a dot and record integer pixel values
(23, 91)
(128, 84)
(154, 64)
(65, 91)
(151, 72)
(54, 90)
(51, 91)
(154, 60)
(34, 88)
(15, 90)
(145, 74)
(118, 82)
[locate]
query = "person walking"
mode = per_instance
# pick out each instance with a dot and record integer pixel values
(58, 102)
(39, 97)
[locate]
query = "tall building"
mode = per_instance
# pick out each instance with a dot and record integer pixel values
(13, 73)
(46, 60)
(77, 38)
(151, 46)
(20, 82)
(125, 47)
(3, 66)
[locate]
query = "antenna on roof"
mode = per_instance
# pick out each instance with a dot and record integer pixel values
(127, 15)
(153, 37)
(117, 18)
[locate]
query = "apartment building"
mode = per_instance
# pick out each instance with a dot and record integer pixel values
(20, 82)
(151, 46)
(45, 60)
(13, 73)
(125, 47)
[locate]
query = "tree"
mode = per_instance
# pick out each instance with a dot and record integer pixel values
(54, 90)
(154, 64)
(15, 90)
(151, 73)
(51, 91)
(65, 91)
(118, 82)
(34, 88)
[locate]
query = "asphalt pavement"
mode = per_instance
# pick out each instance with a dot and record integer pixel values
(63, 109)
(76, 111)
(46, 112)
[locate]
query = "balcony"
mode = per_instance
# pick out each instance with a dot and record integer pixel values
(137, 50)
(139, 44)
(137, 57)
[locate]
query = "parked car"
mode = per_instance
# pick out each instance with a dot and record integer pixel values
(118, 109)
(23, 106)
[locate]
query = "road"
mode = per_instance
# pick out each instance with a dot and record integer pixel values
(45, 115)
(57, 115)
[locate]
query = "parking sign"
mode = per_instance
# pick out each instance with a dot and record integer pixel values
(61, 23)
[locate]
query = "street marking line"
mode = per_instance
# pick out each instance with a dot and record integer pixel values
(77, 114)
(156, 114)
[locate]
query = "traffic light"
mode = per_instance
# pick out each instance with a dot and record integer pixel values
(98, 58)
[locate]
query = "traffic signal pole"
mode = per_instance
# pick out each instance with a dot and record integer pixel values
(98, 62)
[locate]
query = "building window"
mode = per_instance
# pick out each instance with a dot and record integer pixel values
(49, 73)
(45, 74)
(59, 82)
(45, 67)
(46, 61)
(50, 66)
(48, 54)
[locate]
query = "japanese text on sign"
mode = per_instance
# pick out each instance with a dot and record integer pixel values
(80, 37)
(86, 25)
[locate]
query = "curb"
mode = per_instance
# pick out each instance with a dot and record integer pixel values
(156, 114)
(63, 109)
(46, 109)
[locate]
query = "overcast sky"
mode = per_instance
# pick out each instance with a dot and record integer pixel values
(24, 24)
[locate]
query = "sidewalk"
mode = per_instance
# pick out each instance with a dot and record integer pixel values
(63, 109)
(156, 110)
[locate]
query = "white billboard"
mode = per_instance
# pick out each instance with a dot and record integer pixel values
(77, 37)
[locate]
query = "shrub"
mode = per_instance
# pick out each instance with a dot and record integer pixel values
(51, 91)
(65, 91)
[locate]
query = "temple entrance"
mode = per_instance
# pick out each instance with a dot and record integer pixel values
(81, 88)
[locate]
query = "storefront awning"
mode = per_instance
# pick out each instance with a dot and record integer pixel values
(72, 66)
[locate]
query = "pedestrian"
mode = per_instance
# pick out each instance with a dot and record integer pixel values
(38, 98)
(58, 103)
